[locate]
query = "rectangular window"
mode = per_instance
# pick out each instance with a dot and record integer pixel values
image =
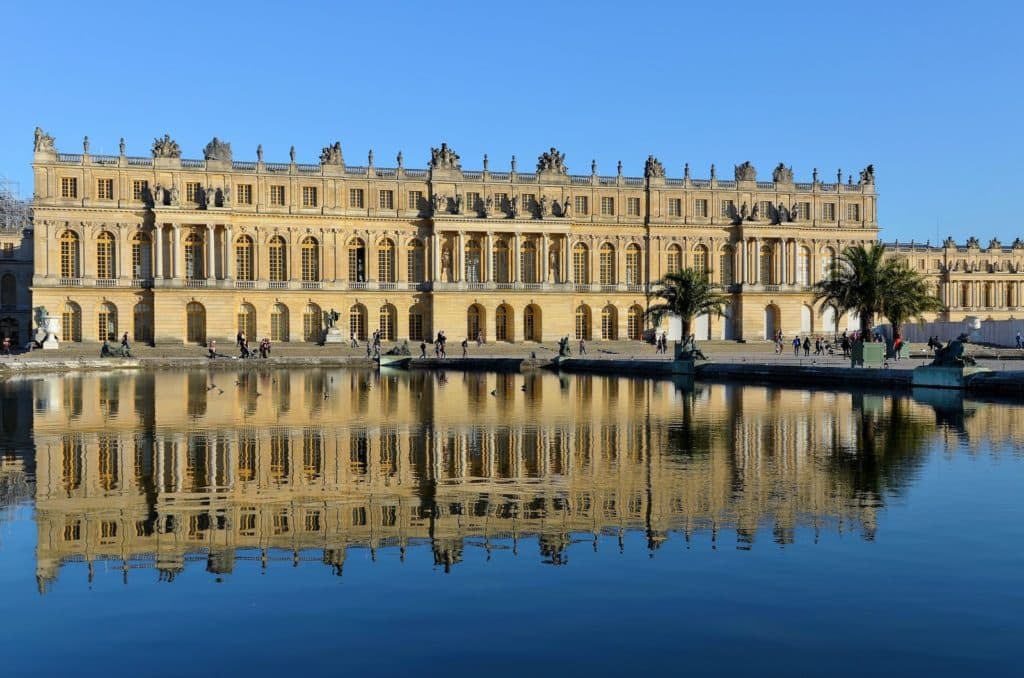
(633, 207)
(582, 205)
(473, 202)
(277, 195)
(608, 206)
(415, 326)
(675, 207)
(727, 209)
(803, 211)
(853, 212)
(105, 189)
(529, 202)
(700, 207)
(501, 202)
(139, 189)
(192, 191)
(244, 192)
(828, 211)
(68, 187)
(387, 200)
(764, 209)
(415, 200)
(355, 198)
(309, 196)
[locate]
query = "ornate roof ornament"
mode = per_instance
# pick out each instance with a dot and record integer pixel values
(43, 141)
(444, 158)
(552, 161)
(166, 147)
(782, 174)
(973, 242)
(867, 175)
(1018, 244)
(995, 244)
(331, 155)
(654, 168)
(949, 242)
(745, 172)
(217, 150)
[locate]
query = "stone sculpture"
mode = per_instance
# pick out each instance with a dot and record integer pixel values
(545, 206)
(654, 168)
(867, 175)
(552, 161)
(331, 155)
(952, 354)
(745, 172)
(782, 174)
(217, 150)
(444, 158)
(43, 141)
(166, 147)
(440, 203)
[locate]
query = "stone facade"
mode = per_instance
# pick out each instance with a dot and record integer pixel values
(177, 250)
(15, 270)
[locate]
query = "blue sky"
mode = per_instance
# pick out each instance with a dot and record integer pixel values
(931, 93)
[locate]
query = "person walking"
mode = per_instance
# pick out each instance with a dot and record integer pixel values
(423, 349)
(583, 346)
(465, 347)
(352, 340)
(7, 346)
(796, 346)
(807, 346)
(479, 338)
(212, 348)
(1019, 343)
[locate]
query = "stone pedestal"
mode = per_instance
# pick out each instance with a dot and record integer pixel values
(51, 325)
(867, 354)
(333, 336)
(929, 376)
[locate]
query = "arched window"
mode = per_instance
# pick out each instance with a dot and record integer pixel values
(105, 256)
(415, 262)
(581, 263)
(312, 323)
(700, 260)
(503, 323)
(195, 321)
(767, 266)
(388, 322)
(106, 322)
(416, 323)
(609, 323)
(528, 262)
(803, 266)
(531, 323)
(142, 318)
(71, 322)
(244, 258)
(357, 322)
(473, 265)
(583, 322)
(635, 323)
(474, 322)
(386, 260)
(142, 252)
(675, 259)
(278, 259)
(356, 260)
(8, 290)
(279, 323)
(607, 265)
(69, 260)
(310, 259)
(194, 256)
(726, 257)
(500, 261)
(633, 264)
(828, 257)
(247, 321)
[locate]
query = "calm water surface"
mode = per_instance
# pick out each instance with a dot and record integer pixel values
(337, 520)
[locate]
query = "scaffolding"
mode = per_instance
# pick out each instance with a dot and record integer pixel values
(15, 213)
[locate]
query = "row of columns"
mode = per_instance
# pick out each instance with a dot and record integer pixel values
(1003, 293)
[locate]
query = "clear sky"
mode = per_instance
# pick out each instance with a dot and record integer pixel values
(932, 93)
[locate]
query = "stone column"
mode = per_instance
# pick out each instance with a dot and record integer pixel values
(459, 258)
(176, 252)
(784, 279)
(487, 259)
(544, 267)
(211, 259)
(228, 244)
(158, 248)
(514, 264)
(435, 256)
(756, 274)
(569, 275)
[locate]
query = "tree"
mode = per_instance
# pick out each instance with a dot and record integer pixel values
(908, 295)
(857, 282)
(686, 294)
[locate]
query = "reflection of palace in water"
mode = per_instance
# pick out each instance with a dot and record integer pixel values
(231, 465)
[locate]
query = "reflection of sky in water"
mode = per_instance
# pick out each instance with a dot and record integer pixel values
(687, 519)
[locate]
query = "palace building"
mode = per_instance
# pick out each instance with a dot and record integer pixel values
(169, 249)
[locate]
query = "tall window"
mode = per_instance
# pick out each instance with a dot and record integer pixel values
(727, 208)
(278, 260)
(386, 260)
(387, 200)
(243, 193)
(357, 321)
(415, 261)
(528, 201)
(500, 263)
(105, 189)
(312, 323)
(106, 322)
(633, 265)
(355, 198)
(69, 263)
(803, 211)
(828, 211)
(583, 322)
(528, 262)
(141, 253)
(143, 321)
(244, 258)
(803, 266)
(195, 322)
(700, 207)
(69, 187)
(472, 256)
(607, 265)
(279, 323)
(192, 191)
(388, 317)
(416, 324)
(247, 321)
(105, 256)
(635, 323)
(501, 202)
(764, 209)
(415, 200)
(767, 276)
(71, 322)
(675, 207)
(853, 212)
(675, 259)
(309, 196)
(473, 203)
(609, 323)
(700, 260)
(828, 257)
(356, 260)
(582, 205)
(725, 265)
(140, 187)
(608, 206)
(580, 263)
(501, 324)
(193, 256)
(277, 196)
(310, 259)
(633, 207)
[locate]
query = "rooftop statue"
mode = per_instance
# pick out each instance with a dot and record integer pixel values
(782, 174)
(444, 158)
(973, 242)
(166, 147)
(952, 354)
(867, 175)
(217, 150)
(995, 244)
(1018, 243)
(654, 168)
(331, 155)
(43, 141)
(745, 172)
(552, 161)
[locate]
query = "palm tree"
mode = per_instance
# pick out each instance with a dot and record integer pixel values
(908, 295)
(857, 282)
(686, 294)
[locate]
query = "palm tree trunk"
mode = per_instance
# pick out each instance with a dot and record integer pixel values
(686, 322)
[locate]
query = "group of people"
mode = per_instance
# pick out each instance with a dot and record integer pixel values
(242, 343)
(439, 346)
(821, 345)
(661, 343)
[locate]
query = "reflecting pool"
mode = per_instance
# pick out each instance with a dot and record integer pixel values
(477, 523)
